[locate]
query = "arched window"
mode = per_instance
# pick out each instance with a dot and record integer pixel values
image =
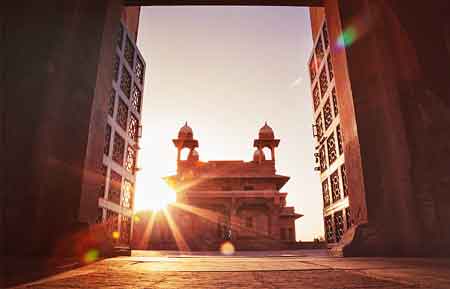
(184, 153)
(267, 153)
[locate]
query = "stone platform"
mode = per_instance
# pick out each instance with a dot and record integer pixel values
(275, 269)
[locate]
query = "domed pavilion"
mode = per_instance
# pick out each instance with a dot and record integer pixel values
(226, 200)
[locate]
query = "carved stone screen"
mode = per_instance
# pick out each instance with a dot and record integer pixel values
(125, 82)
(139, 70)
(338, 225)
(331, 148)
(327, 114)
(326, 193)
(115, 186)
(329, 141)
(123, 118)
(127, 193)
(133, 126)
(111, 102)
(107, 140)
(335, 187)
(129, 52)
(329, 234)
(118, 149)
(136, 99)
(122, 114)
(130, 159)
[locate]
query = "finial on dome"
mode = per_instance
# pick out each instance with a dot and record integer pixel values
(266, 132)
(186, 132)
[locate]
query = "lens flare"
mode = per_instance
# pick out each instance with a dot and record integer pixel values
(227, 249)
(347, 37)
(115, 235)
(91, 256)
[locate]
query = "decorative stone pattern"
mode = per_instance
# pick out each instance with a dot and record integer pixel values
(127, 193)
(139, 70)
(136, 99)
(125, 82)
(111, 102)
(122, 137)
(133, 126)
(118, 149)
(335, 103)
(125, 229)
(115, 187)
(122, 114)
(323, 82)
(101, 191)
(319, 51)
(326, 193)
(319, 126)
(335, 188)
(325, 35)
(344, 180)
(339, 139)
(327, 114)
(329, 234)
(331, 148)
(107, 140)
(338, 225)
(316, 97)
(330, 67)
(323, 159)
(131, 159)
(329, 137)
(129, 52)
(312, 69)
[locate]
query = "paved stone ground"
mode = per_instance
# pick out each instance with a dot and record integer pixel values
(282, 269)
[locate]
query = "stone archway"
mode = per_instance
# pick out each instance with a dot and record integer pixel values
(61, 55)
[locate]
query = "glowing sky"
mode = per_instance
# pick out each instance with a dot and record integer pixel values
(226, 70)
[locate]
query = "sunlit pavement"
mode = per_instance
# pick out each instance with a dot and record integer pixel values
(274, 269)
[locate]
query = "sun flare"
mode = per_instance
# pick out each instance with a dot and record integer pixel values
(153, 194)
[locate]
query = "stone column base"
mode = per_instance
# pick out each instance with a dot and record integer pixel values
(360, 240)
(365, 240)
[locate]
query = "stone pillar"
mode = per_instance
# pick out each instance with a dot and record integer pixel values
(378, 76)
(57, 74)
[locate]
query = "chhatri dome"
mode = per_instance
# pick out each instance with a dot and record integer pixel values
(186, 132)
(257, 154)
(266, 132)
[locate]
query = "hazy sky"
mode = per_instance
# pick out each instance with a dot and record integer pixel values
(226, 70)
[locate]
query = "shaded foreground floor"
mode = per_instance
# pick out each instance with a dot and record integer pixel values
(253, 270)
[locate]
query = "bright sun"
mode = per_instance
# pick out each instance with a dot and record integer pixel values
(153, 194)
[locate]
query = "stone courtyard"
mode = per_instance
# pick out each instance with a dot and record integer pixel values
(273, 269)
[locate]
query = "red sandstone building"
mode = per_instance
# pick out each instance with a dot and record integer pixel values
(224, 200)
